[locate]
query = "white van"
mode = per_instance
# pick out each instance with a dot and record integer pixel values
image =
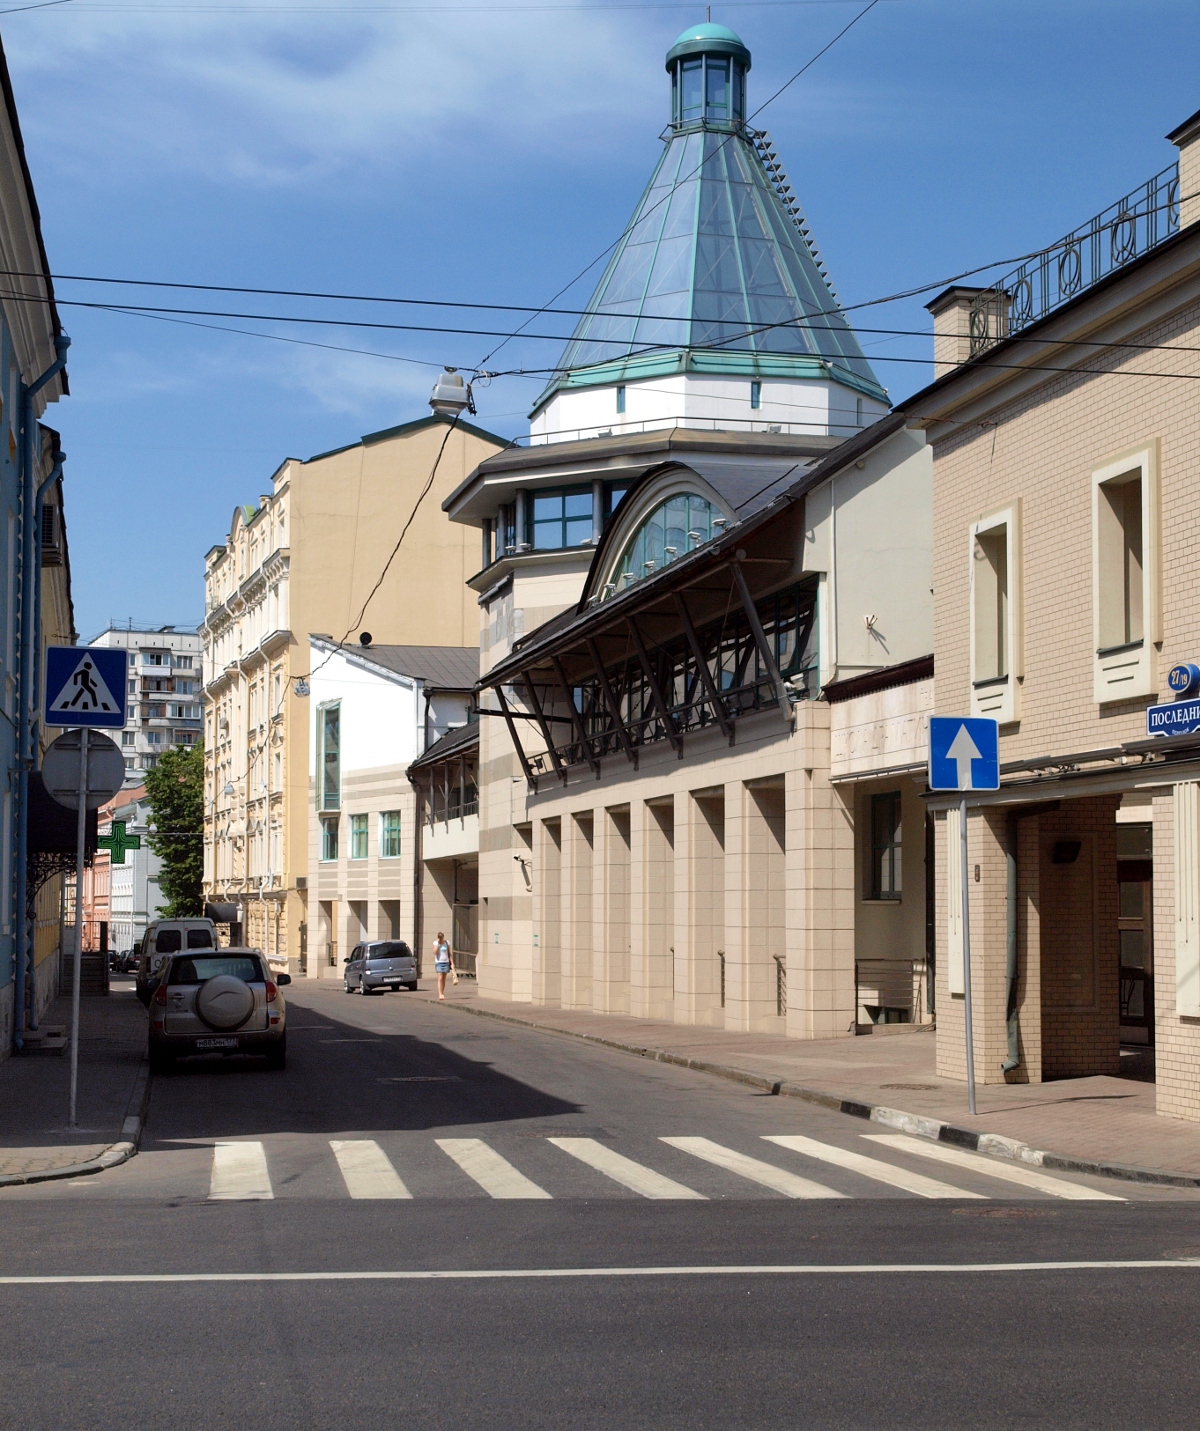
(170, 936)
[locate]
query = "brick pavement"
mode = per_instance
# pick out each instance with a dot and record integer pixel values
(34, 1087)
(1104, 1119)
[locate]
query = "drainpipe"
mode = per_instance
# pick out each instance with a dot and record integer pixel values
(1014, 1058)
(34, 719)
(26, 668)
(1013, 824)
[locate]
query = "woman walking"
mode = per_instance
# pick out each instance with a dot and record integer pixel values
(443, 964)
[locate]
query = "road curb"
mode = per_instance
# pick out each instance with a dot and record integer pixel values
(995, 1145)
(112, 1156)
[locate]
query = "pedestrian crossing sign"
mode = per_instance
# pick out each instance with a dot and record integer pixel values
(85, 685)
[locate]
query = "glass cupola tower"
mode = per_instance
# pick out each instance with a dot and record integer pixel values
(715, 311)
(708, 65)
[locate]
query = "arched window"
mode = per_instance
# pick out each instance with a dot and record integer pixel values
(679, 525)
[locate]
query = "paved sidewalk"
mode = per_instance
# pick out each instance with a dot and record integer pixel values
(1102, 1120)
(35, 1087)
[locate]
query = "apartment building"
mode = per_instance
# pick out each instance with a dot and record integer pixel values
(317, 554)
(1065, 434)
(165, 700)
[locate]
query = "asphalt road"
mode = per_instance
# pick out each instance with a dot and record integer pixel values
(438, 1221)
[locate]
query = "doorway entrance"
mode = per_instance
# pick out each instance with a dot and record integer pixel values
(1135, 922)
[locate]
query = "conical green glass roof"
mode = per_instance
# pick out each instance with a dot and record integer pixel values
(713, 275)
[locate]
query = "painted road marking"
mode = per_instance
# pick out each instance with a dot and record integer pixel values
(239, 1173)
(625, 1171)
(799, 1269)
(494, 1174)
(366, 1169)
(789, 1184)
(869, 1167)
(992, 1168)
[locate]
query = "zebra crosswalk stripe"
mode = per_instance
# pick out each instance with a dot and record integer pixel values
(869, 1167)
(366, 1170)
(494, 1174)
(239, 1173)
(778, 1179)
(625, 1171)
(992, 1168)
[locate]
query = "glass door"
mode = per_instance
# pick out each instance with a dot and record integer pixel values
(1135, 923)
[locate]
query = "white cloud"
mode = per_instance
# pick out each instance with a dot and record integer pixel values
(288, 99)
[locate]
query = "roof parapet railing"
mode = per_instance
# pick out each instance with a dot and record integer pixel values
(1122, 232)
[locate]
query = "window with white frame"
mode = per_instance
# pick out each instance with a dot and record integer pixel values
(995, 584)
(1125, 598)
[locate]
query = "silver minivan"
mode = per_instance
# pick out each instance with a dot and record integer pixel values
(170, 936)
(217, 1001)
(385, 964)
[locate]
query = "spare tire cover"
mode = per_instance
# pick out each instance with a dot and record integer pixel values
(224, 1002)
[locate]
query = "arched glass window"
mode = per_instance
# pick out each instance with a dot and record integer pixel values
(678, 526)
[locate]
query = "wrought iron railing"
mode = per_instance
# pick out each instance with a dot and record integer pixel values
(1123, 232)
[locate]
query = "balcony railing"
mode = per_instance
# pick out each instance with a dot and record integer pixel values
(1123, 232)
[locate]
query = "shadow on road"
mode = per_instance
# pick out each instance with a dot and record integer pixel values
(341, 1076)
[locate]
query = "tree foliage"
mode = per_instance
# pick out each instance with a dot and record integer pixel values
(176, 790)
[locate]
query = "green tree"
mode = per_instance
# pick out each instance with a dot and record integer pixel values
(176, 790)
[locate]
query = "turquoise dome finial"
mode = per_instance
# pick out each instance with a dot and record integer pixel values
(708, 39)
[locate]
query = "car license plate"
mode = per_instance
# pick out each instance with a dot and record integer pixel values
(393, 981)
(216, 1043)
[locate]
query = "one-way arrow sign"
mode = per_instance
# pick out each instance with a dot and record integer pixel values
(964, 753)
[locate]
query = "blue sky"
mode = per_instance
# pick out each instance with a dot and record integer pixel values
(488, 153)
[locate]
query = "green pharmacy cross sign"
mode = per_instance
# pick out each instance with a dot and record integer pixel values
(117, 842)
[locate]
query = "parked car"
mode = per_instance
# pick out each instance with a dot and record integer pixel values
(170, 936)
(217, 1001)
(388, 964)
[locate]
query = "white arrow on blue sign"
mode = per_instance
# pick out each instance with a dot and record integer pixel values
(85, 685)
(964, 753)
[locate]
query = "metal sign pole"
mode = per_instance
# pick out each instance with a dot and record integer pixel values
(966, 939)
(77, 956)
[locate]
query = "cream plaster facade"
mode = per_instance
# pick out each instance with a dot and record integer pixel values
(724, 886)
(305, 561)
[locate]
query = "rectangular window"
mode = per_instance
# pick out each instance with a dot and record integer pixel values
(693, 91)
(329, 837)
(149, 762)
(885, 846)
(858, 412)
(616, 494)
(1119, 535)
(995, 579)
(717, 87)
(330, 770)
(389, 835)
(1125, 580)
(508, 528)
(358, 837)
(621, 398)
(128, 737)
(756, 395)
(560, 518)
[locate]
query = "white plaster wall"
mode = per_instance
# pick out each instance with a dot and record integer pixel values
(687, 399)
(382, 715)
(869, 531)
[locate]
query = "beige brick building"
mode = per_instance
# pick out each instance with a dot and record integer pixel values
(1065, 436)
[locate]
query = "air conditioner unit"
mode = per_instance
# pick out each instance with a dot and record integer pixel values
(52, 554)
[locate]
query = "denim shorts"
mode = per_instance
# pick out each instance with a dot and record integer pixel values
(442, 966)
